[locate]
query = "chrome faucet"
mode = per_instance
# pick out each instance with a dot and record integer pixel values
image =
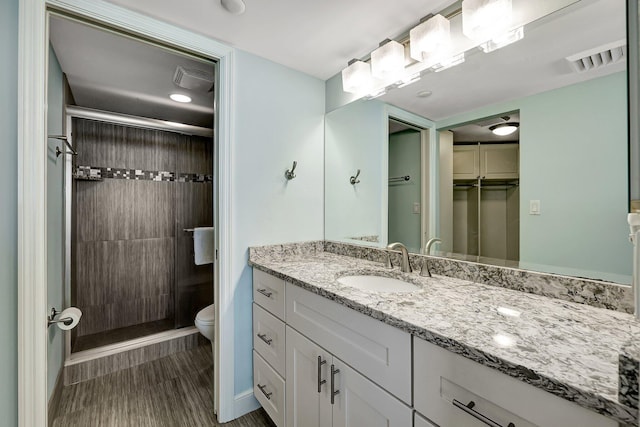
(424, 271)
(404, 267)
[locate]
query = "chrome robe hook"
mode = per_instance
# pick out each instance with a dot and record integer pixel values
(354, 179)
(289, 173)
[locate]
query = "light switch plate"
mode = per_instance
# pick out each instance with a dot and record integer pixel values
(416, 208)
(534, 207)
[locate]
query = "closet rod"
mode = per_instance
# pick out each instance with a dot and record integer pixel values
(400, 178)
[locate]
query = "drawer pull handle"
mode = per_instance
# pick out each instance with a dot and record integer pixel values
(267, 395)
(264, 338)
(468, 408)
(265, 292)
(320, 380)
(334, 371)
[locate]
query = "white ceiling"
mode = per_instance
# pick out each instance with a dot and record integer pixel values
(317, 37)
(110, 72)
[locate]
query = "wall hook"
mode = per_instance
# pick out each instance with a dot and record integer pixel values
(354, 179)
(289, 173)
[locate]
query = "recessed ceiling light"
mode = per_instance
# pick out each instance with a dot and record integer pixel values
(178, 97)
(235, 7)
(504, 129)
(424, 93)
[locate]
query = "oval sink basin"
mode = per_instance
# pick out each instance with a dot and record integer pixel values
(378, 284)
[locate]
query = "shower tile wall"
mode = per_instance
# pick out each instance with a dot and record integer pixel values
(133, 263)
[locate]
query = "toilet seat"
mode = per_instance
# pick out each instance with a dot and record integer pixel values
(207, 316)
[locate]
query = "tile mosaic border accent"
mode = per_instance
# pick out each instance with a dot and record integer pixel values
(92, 173)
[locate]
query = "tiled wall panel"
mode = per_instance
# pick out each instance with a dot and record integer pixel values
(133, 262)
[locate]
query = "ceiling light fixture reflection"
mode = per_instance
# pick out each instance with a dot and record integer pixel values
(430, 41)
(356, 78)
(504, 340)
(505, 311)
(503, 40)
(483, 20)
(504, 129)
(178, 97)
(387, 61)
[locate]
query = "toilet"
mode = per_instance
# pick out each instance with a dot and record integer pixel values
(206, 322)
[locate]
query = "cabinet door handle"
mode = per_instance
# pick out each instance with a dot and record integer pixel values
(334, 371)
(262, 389)
(265, 292)
(468, 408)
(264, 338)
(320, 380)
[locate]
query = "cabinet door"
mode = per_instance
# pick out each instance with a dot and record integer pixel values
(361, 403)
(307, 366)
(499, 161)
(466, 162)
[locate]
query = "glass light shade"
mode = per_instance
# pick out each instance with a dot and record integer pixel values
(503, 40)
(430, 41)
(483, 20)
(387, 62)
(178, 97)
(356, 78)
(504, 129)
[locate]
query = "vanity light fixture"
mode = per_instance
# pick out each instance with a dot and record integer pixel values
(387, 61)
(356, 78)
(430, 41)
(483, 20)
(502, 40)
(449, 62)
(178, 97)
(504, 129)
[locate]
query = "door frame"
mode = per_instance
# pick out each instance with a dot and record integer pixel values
(32, 195)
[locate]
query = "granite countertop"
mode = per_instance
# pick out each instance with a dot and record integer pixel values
(571, 350)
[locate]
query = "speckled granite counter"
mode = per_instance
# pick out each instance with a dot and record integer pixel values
(568, 349)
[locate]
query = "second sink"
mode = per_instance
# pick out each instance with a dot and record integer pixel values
(377, 283)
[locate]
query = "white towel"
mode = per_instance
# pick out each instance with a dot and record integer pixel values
(203, 250)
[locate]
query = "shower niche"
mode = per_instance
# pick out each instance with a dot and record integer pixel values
(137, 194)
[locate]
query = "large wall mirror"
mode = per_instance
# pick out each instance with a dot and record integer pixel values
(550, 197)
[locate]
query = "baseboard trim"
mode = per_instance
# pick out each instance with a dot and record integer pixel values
(54, 400)
(244, 403)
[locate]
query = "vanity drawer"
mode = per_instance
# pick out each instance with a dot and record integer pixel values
(268, 291)
(440, 377)
(380, 352)
(268, 388)
(268, 338)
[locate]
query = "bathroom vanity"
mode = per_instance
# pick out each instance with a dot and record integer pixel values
(449, 353)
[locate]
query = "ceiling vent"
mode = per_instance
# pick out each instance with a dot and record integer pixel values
(492, 121)
(192, 79)
(592, 59)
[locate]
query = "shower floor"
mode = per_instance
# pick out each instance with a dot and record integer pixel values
(88, 342)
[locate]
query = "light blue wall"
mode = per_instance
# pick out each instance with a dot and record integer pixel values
(279, 118)
(573, 158)
(55, 216)
(405, 159)
(8, 213)
(355, 138)
(334, 95)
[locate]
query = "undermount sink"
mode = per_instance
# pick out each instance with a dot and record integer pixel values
(377, 283)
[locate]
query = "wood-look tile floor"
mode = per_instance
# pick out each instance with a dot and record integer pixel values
(174, 391)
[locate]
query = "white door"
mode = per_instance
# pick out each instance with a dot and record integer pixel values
(307, 400)
(361, 403)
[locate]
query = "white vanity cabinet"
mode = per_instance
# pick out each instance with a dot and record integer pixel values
(323, 391)
(445, 384)
(269, 345)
